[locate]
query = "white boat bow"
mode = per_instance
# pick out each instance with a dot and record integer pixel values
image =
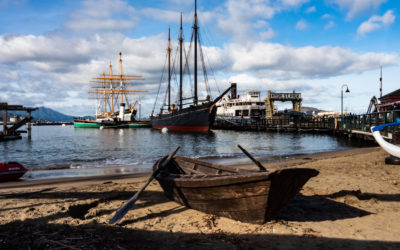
(388, 147)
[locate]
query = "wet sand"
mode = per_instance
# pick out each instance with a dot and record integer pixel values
(353, 203)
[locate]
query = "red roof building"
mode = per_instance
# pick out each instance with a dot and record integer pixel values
(390, 101)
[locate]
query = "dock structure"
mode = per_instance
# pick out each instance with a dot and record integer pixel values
(280, 124)
(350, 126)
(273, 97)
(359, 126)
(12, 133)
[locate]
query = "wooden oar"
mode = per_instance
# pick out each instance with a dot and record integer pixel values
(128, 205)
(262, 169)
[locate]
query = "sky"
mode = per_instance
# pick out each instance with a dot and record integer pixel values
(51, 49)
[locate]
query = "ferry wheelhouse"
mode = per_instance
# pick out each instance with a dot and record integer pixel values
(248, 105)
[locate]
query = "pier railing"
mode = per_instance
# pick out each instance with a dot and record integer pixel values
(288, 124)
(366, 121)
(352, 126)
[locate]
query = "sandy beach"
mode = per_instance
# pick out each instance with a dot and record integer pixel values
(352, 203)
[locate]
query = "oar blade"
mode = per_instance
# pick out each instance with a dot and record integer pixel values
(122, 211)
(128, 205)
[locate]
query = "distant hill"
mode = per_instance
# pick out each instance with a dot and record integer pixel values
(49, 114)
(43, 114)
(310, 110)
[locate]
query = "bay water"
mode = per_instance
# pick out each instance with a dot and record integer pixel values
(65, 151)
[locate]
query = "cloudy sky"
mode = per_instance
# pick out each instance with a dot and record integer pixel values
(50, 50)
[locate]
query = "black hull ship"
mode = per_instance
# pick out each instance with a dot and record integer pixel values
(193, 119)
(195, 116)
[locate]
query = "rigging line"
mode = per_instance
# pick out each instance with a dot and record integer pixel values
(165, 100)
(159, 85)
(175, 77)
(211, 41)
(187, 64)
(186, 70)
(211, 68)
(204, 69)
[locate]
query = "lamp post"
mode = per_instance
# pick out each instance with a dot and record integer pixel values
(347, 91)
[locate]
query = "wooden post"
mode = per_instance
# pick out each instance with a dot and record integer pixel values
(29, 124)
(5, 121)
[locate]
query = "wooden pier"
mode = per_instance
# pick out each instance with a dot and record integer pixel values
(12, 133)
(294, 124)
(359, 126)
(349, 126)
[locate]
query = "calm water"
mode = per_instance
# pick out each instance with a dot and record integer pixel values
(56, 151)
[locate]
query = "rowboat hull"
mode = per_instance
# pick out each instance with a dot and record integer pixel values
(11, 171)
(254, 197)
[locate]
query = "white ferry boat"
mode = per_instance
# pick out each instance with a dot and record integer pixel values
(248, 105)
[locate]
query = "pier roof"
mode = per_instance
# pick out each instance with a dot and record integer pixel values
(391, 97)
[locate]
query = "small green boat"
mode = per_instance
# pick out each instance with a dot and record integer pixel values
(78, 123)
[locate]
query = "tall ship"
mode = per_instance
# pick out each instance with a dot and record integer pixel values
(188, 114)
(248, 105)
(111, 90)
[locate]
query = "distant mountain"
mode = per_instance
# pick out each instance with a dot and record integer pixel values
(310, 110)
(42, 114)
(49, 114)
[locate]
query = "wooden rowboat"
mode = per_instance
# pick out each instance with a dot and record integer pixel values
(248, 196)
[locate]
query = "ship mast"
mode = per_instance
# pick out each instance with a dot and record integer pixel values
(169, 68)
(120, 73)
(180, 65)
(195, 28)
(105, 95)
(380, 79)
(108, 92)
(112, 94)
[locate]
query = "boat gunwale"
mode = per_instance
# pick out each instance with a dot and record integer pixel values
(235, 177)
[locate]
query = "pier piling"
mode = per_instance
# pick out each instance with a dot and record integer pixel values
(12, 133)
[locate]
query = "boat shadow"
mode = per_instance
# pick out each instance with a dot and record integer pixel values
(38, 234)
(77, 202)
(364, 196)
(318, 208)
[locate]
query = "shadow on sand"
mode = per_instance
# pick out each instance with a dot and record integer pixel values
(35, 234)
(40, 233)
(317, 208)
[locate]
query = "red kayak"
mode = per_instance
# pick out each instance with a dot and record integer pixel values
(11, 171)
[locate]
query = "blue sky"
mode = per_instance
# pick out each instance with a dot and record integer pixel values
(49, 50)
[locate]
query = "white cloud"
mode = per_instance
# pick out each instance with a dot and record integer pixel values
(357, 7)
(242, 15)
(170, 16)
(293, 3)
(376, 22)
(265, 35)
(326, 16)
(42, 68)
(276, 60)
(301, 25)
(311, 9)
(246, 82)
(329, 25)
(103, 15)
